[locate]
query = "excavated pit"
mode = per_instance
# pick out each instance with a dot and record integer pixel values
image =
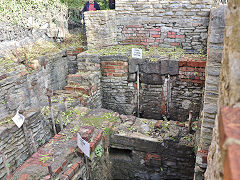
(155, 146)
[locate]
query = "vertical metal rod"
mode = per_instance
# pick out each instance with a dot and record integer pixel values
(168, 93)
(87, 165)
(5, 162)
(138, 89)
(25, 131)
(33, 141)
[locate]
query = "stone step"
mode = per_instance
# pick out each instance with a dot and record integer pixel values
(84, 78)
(72, 98)
(79, 88)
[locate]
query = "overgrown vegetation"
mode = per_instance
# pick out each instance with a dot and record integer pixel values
(28, 53)
(23, 11)
(152, 53)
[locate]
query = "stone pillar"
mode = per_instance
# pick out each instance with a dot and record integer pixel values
(101, 29)
(215, 51)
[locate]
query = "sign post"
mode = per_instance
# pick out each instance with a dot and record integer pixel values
(85, 148)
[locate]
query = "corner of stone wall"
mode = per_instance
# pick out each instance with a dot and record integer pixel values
(211, 93)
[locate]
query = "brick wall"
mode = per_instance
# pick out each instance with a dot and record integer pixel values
(163, 23)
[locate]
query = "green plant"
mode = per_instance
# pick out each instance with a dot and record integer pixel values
(98, 151)
(75, 129)
(44, 158)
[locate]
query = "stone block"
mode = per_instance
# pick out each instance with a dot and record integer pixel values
(231, 163)
(132, 77)
(150, 67)
(133, 65)
(164, 67)
(154, 79)
(135, 142)
(170, 67)
(229, 124)
(173, 67)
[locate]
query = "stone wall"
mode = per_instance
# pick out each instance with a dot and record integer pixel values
(222, 161)
(37, 20)
(170, 88)
(26, 86)
(163, 23)
(14, 143)
(118, 94)
(100, 28)
(215, 51)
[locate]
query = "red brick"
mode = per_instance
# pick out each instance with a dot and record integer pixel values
(150, 40)
(58, 170)
(180, 36)
(175, 44)
(232, 163)
(200, 69)
(69, 173)
(190, 69)
(155, 29)
(229, 124)
(75, 167)
(156, 36)
(3, 77)
(182, 63)
(144, 43)
(109, 74)
(64, 163)
(117, 74)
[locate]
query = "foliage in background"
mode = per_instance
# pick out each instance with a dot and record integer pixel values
(75, 8)
(23, 11)
(79, 4)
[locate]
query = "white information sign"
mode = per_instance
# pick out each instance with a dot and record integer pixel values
(18, 119)
(137, 53)
(83, 145)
